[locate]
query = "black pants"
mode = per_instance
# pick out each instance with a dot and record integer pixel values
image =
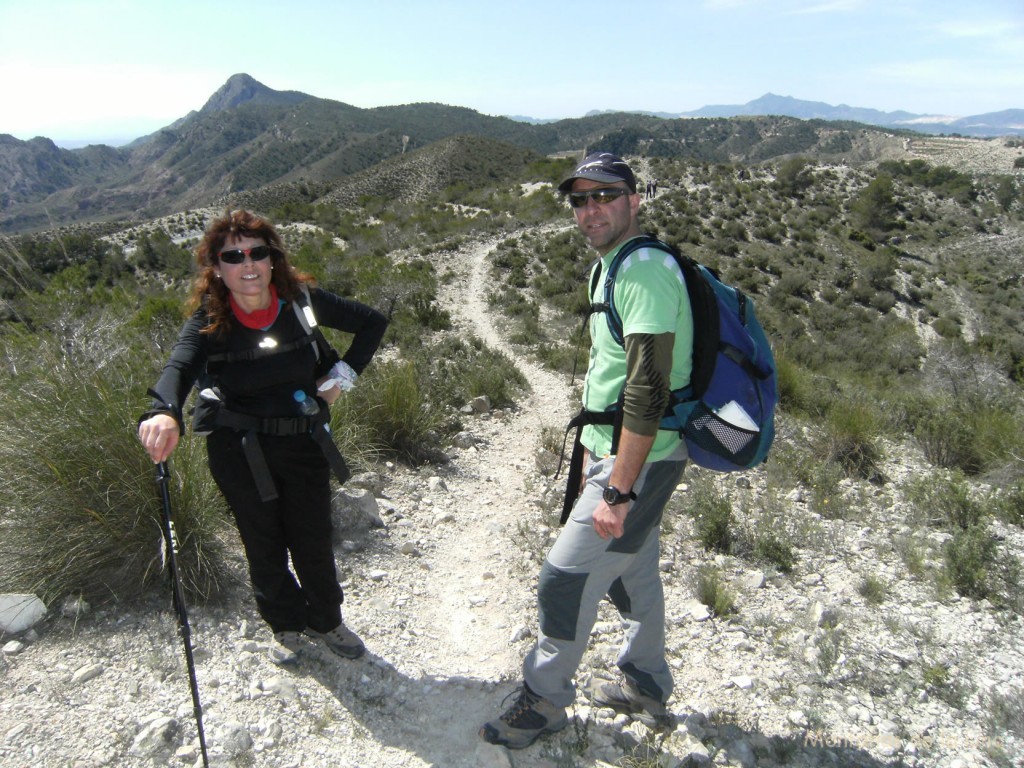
(297, 523)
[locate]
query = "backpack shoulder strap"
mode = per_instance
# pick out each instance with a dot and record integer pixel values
(303, 307)
(608, 305)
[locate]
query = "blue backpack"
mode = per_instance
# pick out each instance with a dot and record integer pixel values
(726, 415)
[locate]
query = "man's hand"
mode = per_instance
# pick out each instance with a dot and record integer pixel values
(610, 521)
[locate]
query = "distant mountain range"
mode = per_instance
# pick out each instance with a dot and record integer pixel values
(248, 137)
(1009, 122)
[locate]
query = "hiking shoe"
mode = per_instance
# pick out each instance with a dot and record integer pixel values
(340, 640)
(285, 647)
(628, 699)
(525, 721)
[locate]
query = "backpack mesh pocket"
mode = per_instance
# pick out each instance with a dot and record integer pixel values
(717, 436)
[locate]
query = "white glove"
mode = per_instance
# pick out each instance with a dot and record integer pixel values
(342, 375)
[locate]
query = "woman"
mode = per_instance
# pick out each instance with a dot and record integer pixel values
(258, 361)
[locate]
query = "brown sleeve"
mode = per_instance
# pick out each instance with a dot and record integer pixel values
(648, 367)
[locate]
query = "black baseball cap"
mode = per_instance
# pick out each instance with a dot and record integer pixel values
(604, 167)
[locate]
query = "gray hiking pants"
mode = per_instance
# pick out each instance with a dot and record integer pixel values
(582, 568)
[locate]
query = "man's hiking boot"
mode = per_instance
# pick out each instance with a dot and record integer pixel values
(628, 699)
(285, 647)
(525, 721)
(341, 640)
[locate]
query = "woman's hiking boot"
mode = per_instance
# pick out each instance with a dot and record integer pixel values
(341, 640)
(285, 647)
(628, 699)
(530, 717)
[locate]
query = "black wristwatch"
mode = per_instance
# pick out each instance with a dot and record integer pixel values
(613, 496)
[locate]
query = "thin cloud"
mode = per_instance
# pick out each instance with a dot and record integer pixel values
(832, 6)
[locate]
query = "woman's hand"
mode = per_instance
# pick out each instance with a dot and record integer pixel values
(328, 395)
(159, 436)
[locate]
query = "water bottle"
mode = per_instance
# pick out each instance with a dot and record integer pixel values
(307, 405)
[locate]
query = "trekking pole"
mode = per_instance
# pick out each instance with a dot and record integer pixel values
(171, 545)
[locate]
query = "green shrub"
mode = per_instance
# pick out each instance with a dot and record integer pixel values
(1005, 711)
(392, 406)
(1008, 506)
(712, 590)
(829, 645)
(713, 518)
(773, 550)
(851, 433)
(454, 371)
(873, 589)
(946, 440)
(969, 558)
(826, 496)
(84, 513)
(945, 501)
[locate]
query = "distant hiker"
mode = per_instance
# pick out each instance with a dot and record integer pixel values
(609, 545)
(650, 190)
(258, 364)
(654, 188)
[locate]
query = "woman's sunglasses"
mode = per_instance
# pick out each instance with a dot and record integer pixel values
(601, 196)
(237, 255)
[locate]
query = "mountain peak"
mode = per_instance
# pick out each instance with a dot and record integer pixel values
(243, 89)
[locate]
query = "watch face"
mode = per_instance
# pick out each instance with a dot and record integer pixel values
(611, 495)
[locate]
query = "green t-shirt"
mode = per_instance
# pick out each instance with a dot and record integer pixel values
(650, 296)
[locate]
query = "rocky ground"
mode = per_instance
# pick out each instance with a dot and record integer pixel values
(807, 672)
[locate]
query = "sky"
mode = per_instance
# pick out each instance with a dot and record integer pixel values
(109, 71)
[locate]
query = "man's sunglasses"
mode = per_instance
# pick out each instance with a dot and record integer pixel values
(237, 255)
(601, 196)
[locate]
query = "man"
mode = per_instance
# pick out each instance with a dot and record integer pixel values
(609, 546)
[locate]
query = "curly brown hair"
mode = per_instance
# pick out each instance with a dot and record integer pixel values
(210, 292)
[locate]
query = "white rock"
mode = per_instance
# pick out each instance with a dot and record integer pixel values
(283, 687)
(480, 404)
(491, 756)
(754, 580)
(87, 673)
(155, 737)
(797, 718)
(19, 612)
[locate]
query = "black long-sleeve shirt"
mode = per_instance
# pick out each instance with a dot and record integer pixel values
(264, 386)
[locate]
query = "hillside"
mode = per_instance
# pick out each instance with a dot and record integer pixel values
(248, 136)
(811, 670)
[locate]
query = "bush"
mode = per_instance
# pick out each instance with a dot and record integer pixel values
(712, 590)
(946, 502)
(969, 558)
(394, 411)
(84, 511)
(713, 518)
(872, 589)
(1009, 505)
(851, 438)
(775, 551)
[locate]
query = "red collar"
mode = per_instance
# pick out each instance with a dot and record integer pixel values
(261, 318)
